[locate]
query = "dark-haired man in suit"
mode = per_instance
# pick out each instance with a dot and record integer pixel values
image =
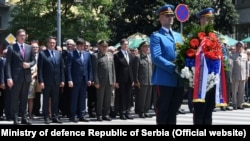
(124, 77)
(19, 60)
(79, 69)
(50, 78)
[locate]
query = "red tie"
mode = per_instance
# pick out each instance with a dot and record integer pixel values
(22, 51)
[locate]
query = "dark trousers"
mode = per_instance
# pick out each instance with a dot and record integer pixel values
(2, 95)
(189, 95)
(19, 99)
(78, 100)
(64, 100)
(168, 103)
(91, 101)
(37, 103)
(124, 97)
(53, 92)
(7, 104)
(116, 105)
(203, 111)
(154, 96)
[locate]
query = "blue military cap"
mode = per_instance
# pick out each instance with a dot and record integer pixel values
(166, 9)
(208, 12)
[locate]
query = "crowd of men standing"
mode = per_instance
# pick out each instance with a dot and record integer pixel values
(68, 78)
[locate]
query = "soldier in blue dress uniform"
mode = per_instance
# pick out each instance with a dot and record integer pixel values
(170, 88)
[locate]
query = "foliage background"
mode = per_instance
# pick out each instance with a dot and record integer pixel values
(110, 20)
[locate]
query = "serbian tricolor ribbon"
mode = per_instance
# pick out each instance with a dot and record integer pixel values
(200, 76)
(201, 80)
(221, 89)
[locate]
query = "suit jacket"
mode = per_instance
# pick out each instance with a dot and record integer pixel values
(14, 63)
(103, 68)
(76, 69)
(143, 69)
(50, 73)
(240, 70)
(2, 70)
(163, 53)
(123, 70)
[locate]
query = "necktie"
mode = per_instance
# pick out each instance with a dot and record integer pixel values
(81, 56)
(126, 57)
(170, 32)
(53, 57)
(22, 51)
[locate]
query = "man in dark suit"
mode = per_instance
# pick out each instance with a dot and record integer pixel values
(91, 90)
(2, 86)
(104, 80)
(143, 74)
(19, 60)
(79, 69)
(64, 102)
(50, 78)
(124, 78)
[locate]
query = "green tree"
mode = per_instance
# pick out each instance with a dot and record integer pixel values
(130, 16)
(39, 18)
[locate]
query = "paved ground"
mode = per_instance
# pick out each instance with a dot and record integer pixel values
(234, 117)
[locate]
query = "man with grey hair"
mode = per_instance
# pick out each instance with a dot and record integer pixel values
(240, 74)
(64, 103)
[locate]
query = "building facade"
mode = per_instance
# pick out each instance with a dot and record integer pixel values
(243, 26)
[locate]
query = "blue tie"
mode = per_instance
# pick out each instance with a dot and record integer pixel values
(81, 56)
(53, 57)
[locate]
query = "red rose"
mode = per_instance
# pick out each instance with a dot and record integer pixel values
(212, 36)
(194, 43)
(208, 43)
(201, 35)
(190, 52)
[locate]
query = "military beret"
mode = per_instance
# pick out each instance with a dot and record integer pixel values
(166, 9)
(208, 12)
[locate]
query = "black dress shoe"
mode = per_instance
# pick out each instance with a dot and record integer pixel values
(222, 108)
(83, 119)
(16, 122)
(56, 120)
(122, 117)
(38, 114)
(1, 118)
(128, 117)
(25, 121)
(141, 116)
(92, 115)
(228, 109)
(181, 111)
(147, 115)
(74, 119)
(107, 118)
(241, 108)
(46, 121)
(99, 118)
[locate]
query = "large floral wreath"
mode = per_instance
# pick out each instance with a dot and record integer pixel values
(201, 39)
